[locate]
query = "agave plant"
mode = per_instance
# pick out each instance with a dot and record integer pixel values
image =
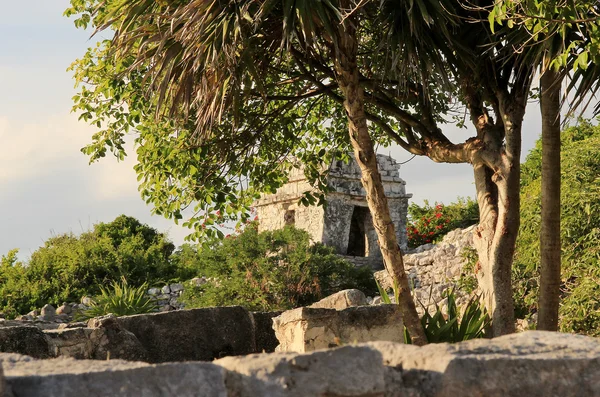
(453, 327)
(121, 300)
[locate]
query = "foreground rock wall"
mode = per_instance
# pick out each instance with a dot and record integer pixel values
(184, 335)
(528, 364)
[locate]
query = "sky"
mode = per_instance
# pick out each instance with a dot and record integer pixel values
(47, 186)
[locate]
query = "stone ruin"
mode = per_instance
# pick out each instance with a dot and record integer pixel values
(345, 222)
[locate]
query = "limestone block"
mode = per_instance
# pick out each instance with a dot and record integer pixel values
(342, 300)
(26, 377)
(198, 334)
(153, 291)
(71, 342)
(176, 287)
(532, 363)
(111, 340)
(346, 371)
(64, 309)
(307, 329)
(24, 340)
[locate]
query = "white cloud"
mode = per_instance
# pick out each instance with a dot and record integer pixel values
(30, 149)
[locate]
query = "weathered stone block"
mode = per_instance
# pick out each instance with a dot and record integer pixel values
(71, 342)
(24, 340)
(198, 334)
(307, 329)
(26, 377)
(347, 371)
(533, 364)
(342, 300)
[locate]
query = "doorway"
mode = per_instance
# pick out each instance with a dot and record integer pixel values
(357, 239)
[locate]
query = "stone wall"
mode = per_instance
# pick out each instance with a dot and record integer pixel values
(435, 268)
(533, 364)
(182, 335)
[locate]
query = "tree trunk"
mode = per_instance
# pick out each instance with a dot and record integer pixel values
(497, 187)
(347, 77)
(550, 246)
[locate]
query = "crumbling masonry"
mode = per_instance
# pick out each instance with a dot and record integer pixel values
(344, 223)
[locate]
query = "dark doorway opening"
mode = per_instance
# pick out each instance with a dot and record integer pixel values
(357, 240)
(290, 217)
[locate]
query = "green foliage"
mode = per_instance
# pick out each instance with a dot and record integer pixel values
(68, 267)
(121, 300)
(452, 327)
(429, 223)
(580, 232)
(467, 281)
(269, 271)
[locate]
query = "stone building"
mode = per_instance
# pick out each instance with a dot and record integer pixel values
(345, 221)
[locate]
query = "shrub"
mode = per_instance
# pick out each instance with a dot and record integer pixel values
(273, 270)
(430, 223)
(452, 327)
(121, 300)
(580, 232)
(68, 267)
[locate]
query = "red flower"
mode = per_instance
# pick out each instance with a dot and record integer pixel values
(256, 218)
(438, 215)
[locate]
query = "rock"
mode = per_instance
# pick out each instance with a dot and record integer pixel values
(198, 281)
(153, 291)
(377, 300)
(115, 378)
(26, 317)
(33, 313)
(346, 371)
(86, 301)
(532, 363)
(307, 329)
(111, 339)
(342, 300)
(198, 334)
(176, 287)
(166, 289)
(78, 324)
(64, 309)
(26, 340)
(71, 342)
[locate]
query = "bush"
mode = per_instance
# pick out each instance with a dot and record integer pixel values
(121, 300)
(448, 328)
(68, 267)
(429, 224)
(273, 270)
(580, 231)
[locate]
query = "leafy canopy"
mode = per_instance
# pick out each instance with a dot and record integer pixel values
(225, 98)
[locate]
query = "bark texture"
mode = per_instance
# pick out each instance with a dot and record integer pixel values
(497, 178)
(550, 255)
(347, 75)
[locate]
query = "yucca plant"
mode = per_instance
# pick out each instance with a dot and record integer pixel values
(121, 300)
(452, 327)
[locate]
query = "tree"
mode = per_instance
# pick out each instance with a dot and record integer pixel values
(562, 36)
(396, 66)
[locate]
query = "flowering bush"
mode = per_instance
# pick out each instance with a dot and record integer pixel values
(428, 224)
(428, 228)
